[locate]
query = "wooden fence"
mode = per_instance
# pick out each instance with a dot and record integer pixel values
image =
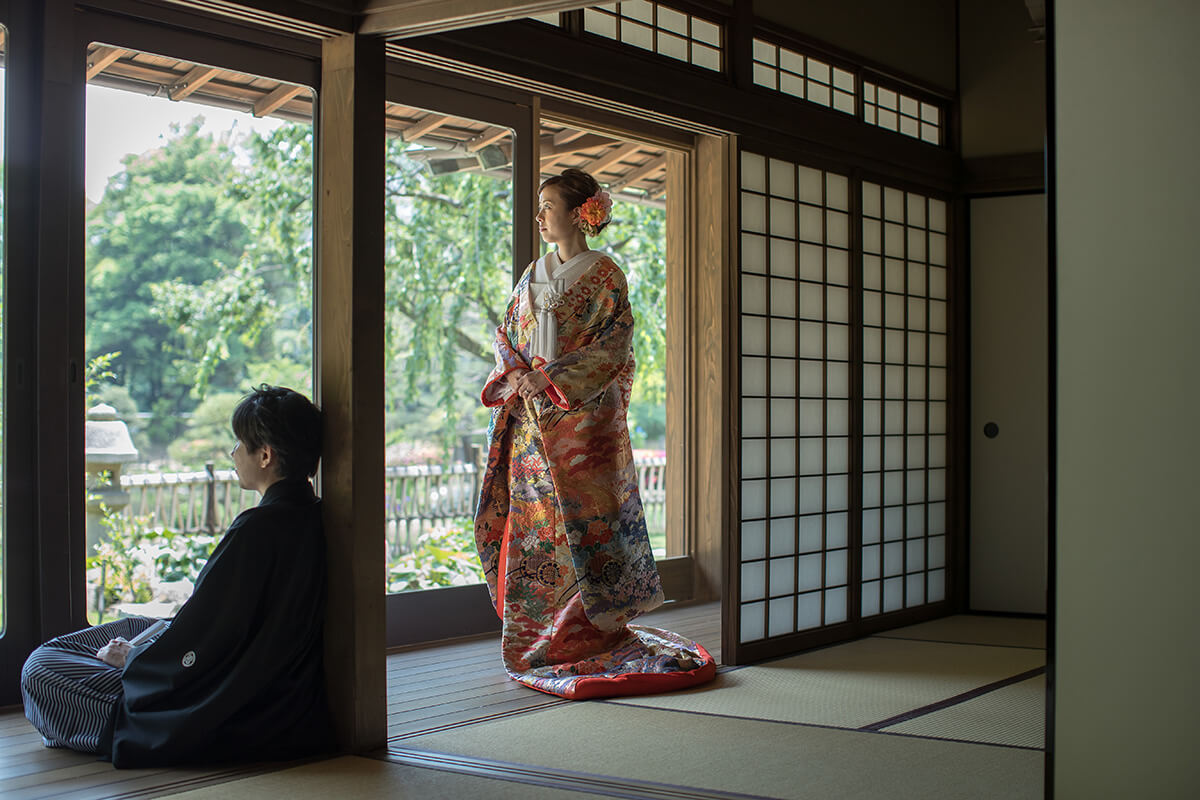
(418, 498)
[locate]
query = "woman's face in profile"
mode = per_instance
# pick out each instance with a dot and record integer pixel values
(555, 221)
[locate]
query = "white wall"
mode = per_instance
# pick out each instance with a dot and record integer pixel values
(1009, 380)
(1126, 699)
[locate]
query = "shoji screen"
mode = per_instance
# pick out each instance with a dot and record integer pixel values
(904, 443)
(794, 571)
(843, 416)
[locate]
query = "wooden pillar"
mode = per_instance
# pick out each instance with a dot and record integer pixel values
(60, 323)
(714, 484)
(349, 360)
(680, 255)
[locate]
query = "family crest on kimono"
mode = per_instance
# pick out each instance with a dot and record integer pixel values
(560, 527)
(238, 672)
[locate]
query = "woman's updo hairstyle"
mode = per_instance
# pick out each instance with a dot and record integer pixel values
(576, 188)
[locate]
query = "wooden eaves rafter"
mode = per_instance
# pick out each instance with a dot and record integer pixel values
(396, 19)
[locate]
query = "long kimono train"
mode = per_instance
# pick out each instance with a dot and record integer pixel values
(560, 527)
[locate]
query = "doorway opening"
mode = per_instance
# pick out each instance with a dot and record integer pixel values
(198, 286)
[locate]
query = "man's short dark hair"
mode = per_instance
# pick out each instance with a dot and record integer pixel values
(286, 420)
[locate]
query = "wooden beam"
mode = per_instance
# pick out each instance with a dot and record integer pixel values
(490, 136)
(637, 173)
(567, 135)
(349, 318)
(611, 157)
(1024, 172)
(197, 77)
(276, 98)
(396, 19)
(589, 142)
(426, 125)
(99, 59)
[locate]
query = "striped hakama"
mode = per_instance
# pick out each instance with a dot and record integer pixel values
(69, 693)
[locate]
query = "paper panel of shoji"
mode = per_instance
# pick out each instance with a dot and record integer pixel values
(795, 312)
(904, 399)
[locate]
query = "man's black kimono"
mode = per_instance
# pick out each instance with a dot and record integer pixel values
(238, 674)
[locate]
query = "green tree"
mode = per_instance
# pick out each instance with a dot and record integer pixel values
(166, 217)
(448, 260)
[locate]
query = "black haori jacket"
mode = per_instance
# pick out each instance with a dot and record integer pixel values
(239, 674)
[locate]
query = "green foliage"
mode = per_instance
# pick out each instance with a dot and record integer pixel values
(126, 556)
(181, 556)
(200, 273)
(648, 423)
(207, 438)
(97, 371)
(168, 216)
(135, 555)
(213, 321)
(449, 257)
(445, 556)
(636, 238)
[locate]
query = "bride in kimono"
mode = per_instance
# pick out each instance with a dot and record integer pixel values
(560, 527)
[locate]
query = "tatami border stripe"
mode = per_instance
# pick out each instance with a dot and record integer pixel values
(186, 784)
(818, 725)
(449, 726)
(953, 701)
(967, 644)
(557, 778)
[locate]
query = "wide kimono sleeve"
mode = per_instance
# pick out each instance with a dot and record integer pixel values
(601, 352)
(496, 390)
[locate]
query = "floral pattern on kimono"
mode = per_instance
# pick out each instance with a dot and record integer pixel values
(560, 527)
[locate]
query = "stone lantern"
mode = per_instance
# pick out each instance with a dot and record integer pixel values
(107, 447)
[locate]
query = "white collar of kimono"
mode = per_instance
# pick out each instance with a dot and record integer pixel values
(569, 272)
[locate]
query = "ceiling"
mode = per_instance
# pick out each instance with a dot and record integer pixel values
(631, 170)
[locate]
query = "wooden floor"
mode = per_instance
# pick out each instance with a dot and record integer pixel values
(430, 688)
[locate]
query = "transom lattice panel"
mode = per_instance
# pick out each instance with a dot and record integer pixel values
(899, 112)
(785, 70)
(795, 398)
(904, 411)
(659, 29)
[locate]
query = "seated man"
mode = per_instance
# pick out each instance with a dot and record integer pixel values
(238, 673)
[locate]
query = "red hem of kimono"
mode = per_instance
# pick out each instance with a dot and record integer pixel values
(553, 392)
(634, 683)
(502, 568)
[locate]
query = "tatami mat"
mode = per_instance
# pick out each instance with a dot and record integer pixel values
(370, 779)
(851, 685)
(1012, 715)
(747, 756)
(977, 629)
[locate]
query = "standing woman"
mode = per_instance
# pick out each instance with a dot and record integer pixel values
(560, 527)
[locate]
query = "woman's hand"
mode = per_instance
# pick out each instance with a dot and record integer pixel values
(531, 384)
(514, 377)
(115, 652)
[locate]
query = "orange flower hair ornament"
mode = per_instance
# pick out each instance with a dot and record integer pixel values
(594, 212)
